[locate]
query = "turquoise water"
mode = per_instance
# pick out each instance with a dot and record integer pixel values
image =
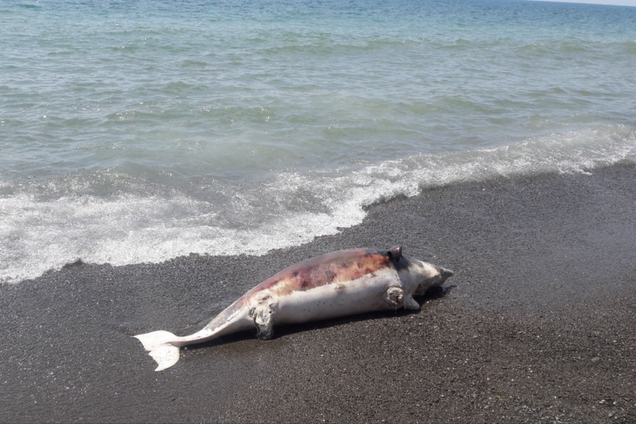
(138, 131)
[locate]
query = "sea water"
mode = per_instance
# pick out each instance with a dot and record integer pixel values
(139, 131)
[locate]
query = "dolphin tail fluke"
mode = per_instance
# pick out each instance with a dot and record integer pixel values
(160, 347)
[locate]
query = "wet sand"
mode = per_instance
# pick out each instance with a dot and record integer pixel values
(539, 324)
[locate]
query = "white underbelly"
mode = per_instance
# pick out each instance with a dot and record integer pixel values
(335, 300)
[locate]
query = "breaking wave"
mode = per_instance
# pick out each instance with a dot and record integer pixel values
(38, 233)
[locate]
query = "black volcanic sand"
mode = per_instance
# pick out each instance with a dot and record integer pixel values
(539, 324)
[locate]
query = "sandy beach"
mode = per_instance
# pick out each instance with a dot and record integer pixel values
(539, 323)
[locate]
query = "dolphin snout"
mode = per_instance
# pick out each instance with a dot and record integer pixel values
(445, 273)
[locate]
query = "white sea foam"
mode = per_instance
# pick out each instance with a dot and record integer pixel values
(38, 234)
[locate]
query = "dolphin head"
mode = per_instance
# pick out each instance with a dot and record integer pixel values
(427, 275)
(416, 275)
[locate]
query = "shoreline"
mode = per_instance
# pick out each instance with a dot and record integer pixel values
(538, 326)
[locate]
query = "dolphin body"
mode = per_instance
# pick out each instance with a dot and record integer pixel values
(341, 283)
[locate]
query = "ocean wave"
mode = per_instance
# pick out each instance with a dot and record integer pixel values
(38, 233)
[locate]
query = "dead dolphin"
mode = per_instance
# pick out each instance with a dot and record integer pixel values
(342, 283)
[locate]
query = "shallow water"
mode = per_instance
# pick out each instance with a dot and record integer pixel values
(140, 131)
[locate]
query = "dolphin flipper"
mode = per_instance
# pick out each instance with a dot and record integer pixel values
(263, 316)
(411, 304)
(394, 296)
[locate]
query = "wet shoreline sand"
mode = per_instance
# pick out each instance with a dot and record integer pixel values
(539, 325)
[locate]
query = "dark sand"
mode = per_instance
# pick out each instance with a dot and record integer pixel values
(539, 327)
